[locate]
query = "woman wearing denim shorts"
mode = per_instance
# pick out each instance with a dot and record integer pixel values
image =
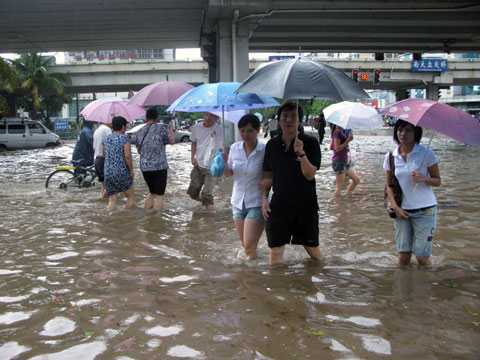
(416, 168)
(245, 164)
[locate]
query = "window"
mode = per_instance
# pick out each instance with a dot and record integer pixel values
(36, 129)
(16, 129)
(3, 129)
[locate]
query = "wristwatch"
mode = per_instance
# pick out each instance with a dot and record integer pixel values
(301, 155)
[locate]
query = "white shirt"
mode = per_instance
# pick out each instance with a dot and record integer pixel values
(414, 196)
(207, 145)
(98, 136)
(248, 172)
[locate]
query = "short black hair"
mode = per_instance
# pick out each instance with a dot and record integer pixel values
(249, 119)
(402, 123)
(118, 122)
(151, 114)
(290, 105)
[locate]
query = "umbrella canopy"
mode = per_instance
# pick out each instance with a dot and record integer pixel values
(104, 110)
(220, 97)
(351, 115)
(233, 116)
(436, 116)
(160, 93)
(302, 79)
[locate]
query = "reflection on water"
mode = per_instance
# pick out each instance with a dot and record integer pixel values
(80, 283)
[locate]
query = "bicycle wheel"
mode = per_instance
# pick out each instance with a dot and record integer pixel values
(61, 179)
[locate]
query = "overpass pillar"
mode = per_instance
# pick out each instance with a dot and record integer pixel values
(401, 94)
(232, 62)
(432, 92)
(232, 54)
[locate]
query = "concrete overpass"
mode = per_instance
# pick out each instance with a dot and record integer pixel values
(228, 30)
(395, 75)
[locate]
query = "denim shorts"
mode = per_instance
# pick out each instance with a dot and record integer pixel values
(253, 213)
(339, 167)
(416, 233)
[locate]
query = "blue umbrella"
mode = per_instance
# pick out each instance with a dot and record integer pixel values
(220, 97)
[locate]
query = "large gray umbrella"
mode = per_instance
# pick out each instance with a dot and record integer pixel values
(302, 79)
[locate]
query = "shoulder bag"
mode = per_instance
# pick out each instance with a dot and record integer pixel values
(143, 139)
(397, 190)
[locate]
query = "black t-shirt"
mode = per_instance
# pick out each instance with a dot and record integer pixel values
(290, 187)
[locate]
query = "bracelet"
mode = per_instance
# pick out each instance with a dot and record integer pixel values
(300, 156)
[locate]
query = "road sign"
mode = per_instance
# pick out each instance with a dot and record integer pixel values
(61, 124)
(280, 57)
(430, 65)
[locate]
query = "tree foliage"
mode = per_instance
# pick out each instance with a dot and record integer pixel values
(8, 81)
(49, 104)
(34, 75)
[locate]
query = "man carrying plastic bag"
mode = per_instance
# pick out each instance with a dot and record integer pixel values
(207, 139)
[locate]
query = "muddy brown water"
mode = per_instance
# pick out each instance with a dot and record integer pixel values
(77, 282)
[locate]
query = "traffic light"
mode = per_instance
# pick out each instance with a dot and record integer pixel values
(355, 75)
(376, 77)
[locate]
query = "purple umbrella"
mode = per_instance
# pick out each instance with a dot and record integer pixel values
(436, 116)
(161, 93)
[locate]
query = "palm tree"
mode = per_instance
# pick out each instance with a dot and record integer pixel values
(34, 75)
(8, 80)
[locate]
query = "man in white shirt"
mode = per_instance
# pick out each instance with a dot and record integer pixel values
(98, 136)
(207, 139)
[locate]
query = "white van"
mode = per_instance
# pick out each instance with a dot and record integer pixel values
(17, 133)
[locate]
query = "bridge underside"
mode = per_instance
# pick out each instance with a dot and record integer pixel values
(273, 25)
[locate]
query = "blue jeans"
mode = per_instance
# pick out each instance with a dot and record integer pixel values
(416, 233)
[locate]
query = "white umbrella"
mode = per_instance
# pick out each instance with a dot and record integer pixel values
(353, 115)
(233, 116)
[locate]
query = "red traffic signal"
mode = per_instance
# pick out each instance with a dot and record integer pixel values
(376, 77)
(355, 75)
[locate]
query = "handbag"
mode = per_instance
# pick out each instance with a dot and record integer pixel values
(397, 190)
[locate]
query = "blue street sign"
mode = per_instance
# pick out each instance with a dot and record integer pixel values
(430, 65)
(280, 57)
(61, 124)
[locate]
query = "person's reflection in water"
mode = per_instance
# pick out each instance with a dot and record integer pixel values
(412, 284)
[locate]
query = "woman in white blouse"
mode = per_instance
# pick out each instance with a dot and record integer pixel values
(416, 168)
(245, 162)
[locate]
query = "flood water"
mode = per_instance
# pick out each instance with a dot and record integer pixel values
(77, 282)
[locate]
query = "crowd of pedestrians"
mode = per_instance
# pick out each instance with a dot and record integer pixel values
(285, 166)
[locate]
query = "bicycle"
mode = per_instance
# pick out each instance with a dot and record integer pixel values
(76, 176)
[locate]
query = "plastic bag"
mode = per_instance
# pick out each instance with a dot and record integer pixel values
(209, 151)
(218, 165)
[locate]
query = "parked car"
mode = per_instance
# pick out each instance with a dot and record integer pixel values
(180, 135)
(18, 133)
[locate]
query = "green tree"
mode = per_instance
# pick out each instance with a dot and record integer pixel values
(319, 105)
(34, 76)
(49, 104)
(8, 81)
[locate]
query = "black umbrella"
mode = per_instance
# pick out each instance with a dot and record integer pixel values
(302, 79)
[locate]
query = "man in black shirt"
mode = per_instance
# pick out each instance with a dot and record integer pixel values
(291, 161)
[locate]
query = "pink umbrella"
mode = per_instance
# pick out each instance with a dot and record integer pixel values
(161, 93)
(436, 116)
(104, 110)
